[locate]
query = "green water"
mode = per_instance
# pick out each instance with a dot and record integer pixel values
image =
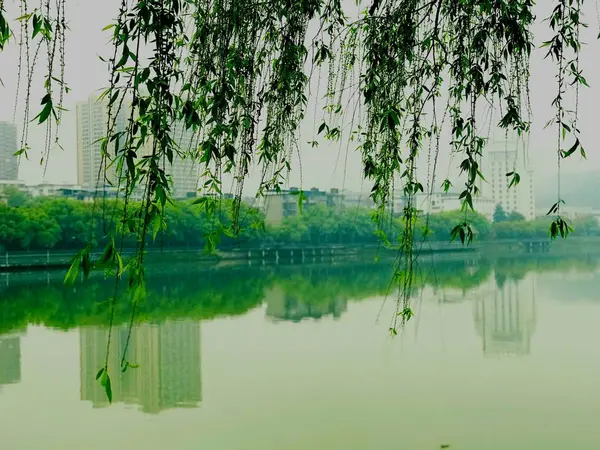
(501, 355)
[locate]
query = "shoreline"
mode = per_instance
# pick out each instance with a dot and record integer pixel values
(61, 259)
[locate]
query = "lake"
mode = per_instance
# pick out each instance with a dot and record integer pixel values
(501, 354)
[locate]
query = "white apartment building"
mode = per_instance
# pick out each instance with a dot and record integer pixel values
(438, 202)
(91, 127)
(500, 158)
(9, 163)
(185, 172)
(92, 117)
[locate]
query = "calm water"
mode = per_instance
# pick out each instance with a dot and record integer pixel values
(501, 355)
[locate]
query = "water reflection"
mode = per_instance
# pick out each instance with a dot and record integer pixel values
(283, 306)
(290, 293)
(339, 377)
(10, 359)
(166, 340)
(505, 315)
(168, 354)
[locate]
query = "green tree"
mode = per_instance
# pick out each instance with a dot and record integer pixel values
(12, 228)
(515, 216)
(499, 214)
(440, 225)
(586, 226)
(42, 231)
(74, 219)
(14, 196)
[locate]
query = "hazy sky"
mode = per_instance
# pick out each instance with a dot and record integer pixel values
(323, 166)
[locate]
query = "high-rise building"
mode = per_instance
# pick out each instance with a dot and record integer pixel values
(168, 355)
(9, 163)
(502, 157)
(92, 116)
(184, 170)
(439, 202)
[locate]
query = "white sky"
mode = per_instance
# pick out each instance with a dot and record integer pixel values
(323, 166)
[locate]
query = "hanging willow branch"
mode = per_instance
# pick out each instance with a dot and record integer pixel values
(236, 73)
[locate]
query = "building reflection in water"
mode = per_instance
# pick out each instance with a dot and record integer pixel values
(282, 306)
(505, 315)
(10, 359)
(168, 355)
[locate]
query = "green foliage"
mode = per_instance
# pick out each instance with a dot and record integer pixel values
(499, 214)
(14, 196)
(514, 216)
(322, 225)
(64, 224)
(27, 228)
(5, 31)
(105, 382)
(53, 223)
(538, 228)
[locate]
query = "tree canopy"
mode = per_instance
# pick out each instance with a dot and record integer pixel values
(40, 224)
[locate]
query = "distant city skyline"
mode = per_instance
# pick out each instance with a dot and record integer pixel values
(91, 126)
(332, 164)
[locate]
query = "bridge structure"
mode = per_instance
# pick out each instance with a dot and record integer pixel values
(301, 253)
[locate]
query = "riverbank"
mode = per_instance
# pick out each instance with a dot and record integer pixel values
(35, 261)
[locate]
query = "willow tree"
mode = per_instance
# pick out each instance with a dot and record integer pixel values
(236, 72)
